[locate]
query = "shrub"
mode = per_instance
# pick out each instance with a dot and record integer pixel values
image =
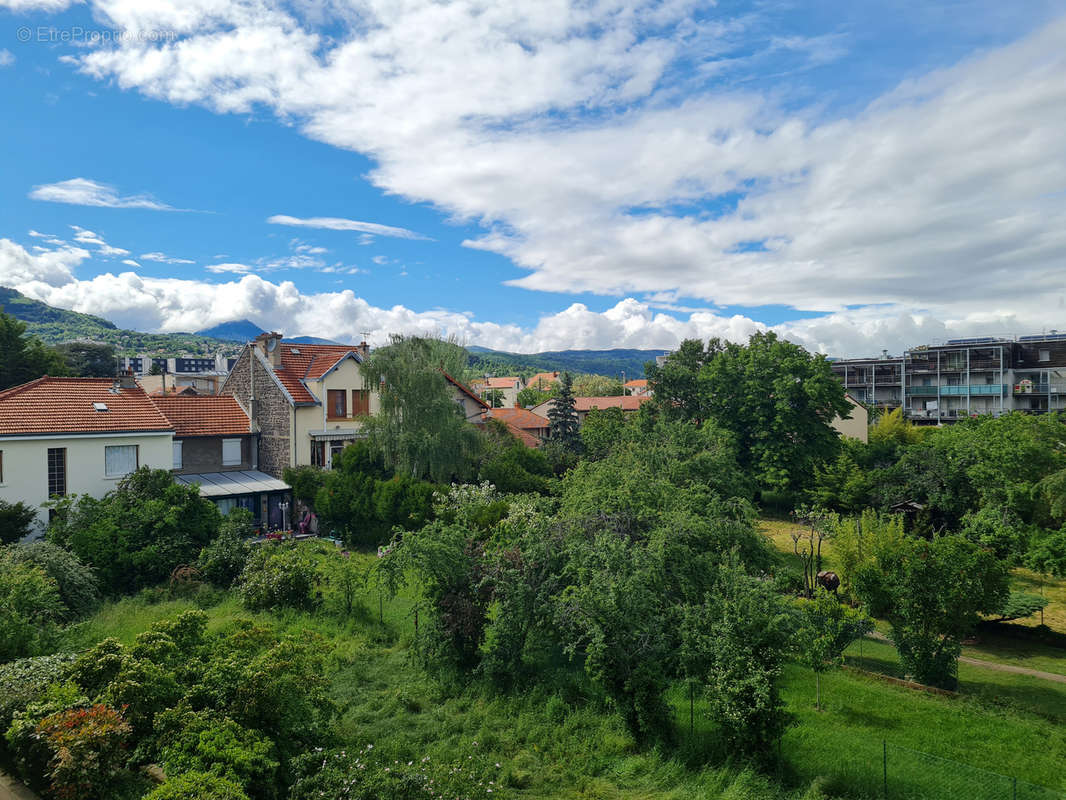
(30, 752)
(16, 521)
(88, 748)
(25, 681)
(197, 786)
(221, 561)
(207, 741)
(94, 669)
(278, 576)
(137, 534)
(79, 588)
(30, 607)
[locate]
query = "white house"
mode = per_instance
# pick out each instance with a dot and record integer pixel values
(61, 436)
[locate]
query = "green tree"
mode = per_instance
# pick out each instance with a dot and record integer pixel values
(603, 430)
(597, 386)
(305, 482)
(421, 430)
(89, 359)
(532, 396)
(932, 593)
(494, 397)
(563, 425)
(79, 588)
(676, 386)
(30, 609)
(16, 520)
(138, 533)
(24, 358)
(735, 643)
(826, 628)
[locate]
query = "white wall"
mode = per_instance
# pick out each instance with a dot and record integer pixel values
(25, 477)
(346, 377)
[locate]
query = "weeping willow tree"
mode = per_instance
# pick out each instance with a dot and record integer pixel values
(421, 429)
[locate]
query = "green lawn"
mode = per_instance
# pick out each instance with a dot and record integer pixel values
(558, 743)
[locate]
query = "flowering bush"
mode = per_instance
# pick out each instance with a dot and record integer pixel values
(365, 774)
(88, 748)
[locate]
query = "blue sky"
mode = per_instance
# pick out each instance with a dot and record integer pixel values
(606, 175)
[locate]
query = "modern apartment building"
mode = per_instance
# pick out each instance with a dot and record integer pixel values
(943, 382)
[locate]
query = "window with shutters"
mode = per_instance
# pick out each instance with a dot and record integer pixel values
(120, 460)
(231, 452)
(360, 403)
(57, 471)
(337, 403)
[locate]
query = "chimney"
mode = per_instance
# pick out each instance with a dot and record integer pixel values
(126, 379)
(363, 348)
(269, 345)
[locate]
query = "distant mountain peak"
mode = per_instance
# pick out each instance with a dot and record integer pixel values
(239, 330)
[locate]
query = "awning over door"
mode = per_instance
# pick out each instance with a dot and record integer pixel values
(336, 434)
(228, 484)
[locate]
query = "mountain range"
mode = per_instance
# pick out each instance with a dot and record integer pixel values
(55, 325)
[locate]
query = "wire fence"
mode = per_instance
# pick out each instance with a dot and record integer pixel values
(913, 775)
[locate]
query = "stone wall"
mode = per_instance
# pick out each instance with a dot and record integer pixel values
(271, 411)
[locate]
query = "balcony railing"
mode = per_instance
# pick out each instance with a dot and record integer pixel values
(1036, 388)
(953, 391)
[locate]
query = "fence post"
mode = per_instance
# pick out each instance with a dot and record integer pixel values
(884, 765)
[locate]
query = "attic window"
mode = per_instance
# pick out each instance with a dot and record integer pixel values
(100, 406)
(294, 351)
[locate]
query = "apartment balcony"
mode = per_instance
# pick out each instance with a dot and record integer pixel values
(954, 391)
(1037, 388)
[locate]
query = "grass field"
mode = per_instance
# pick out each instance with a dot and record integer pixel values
(559, 743)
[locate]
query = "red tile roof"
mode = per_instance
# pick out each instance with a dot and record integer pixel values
(65, 405)
(626, 403)
(519, 418)
(525, 437)
(301, 362)
(500, 383)
(637, 384)
(206, 415)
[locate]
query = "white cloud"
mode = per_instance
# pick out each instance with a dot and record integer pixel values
(7, 58)
(564, 129)
(572, 133)
(338, 224)
(165, 259)
(85, 192)
(170, 304)
(48, 268)
(47, 6)
(103, 249)
(129, 262)
(239, 269)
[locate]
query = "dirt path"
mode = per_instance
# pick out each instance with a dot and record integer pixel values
(977, 662)
(11, 789)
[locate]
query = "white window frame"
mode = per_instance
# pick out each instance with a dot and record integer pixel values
(229, 444)
(110, 450)
(176, 458)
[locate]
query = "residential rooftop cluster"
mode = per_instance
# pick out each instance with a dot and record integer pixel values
(230, 428)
